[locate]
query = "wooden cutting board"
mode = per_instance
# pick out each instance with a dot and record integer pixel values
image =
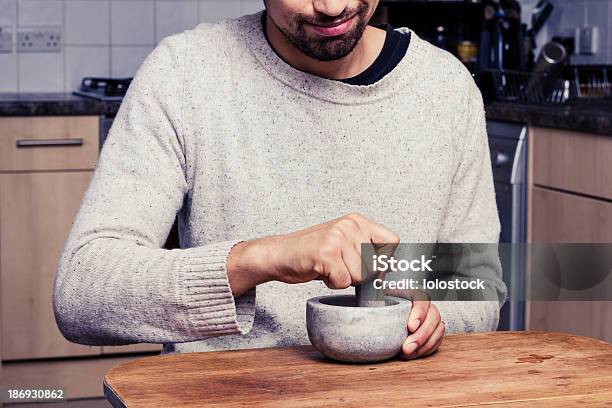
(517, 369)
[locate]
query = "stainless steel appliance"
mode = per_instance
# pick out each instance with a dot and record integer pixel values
(508, 146)
(106, 121)
(105, 89)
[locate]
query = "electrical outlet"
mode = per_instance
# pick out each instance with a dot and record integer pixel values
(39, 39)
(6, 40)
(589, 41)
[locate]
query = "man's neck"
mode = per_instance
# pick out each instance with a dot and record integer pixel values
(359, 59)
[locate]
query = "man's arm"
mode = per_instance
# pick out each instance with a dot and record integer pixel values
(472, 217)
(115, 284)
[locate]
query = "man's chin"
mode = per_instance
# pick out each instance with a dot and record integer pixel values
(332, 49)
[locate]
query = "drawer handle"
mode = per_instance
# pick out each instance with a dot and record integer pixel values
(49, 142)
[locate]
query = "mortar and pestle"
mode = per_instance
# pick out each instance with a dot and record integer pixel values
(364, 328)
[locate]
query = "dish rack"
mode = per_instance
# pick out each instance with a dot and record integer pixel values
(572, 84)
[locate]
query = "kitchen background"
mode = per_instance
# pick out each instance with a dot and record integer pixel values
(112, 37)
(549, 128)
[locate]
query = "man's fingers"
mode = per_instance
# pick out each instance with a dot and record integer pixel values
(417, 314)
(337, 276)
(364, 231)
(352, 261)
(423, 333)
(434, 341)
(355, 235)
(418, 355)
(434, 348)
(378, 233)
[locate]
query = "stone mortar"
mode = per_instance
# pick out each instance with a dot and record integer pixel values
(342, 331)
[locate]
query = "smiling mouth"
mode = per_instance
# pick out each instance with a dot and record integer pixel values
(335, 28)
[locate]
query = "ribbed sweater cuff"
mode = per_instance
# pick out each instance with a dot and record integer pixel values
(212, 310)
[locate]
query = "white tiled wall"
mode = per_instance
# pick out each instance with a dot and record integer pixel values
(100, 37)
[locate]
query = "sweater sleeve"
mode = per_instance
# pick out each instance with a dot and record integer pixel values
(472, 217)
(115, 284)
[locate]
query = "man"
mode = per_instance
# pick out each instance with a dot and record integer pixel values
(283, 141)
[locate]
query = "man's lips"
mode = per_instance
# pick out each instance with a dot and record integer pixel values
(335, 29)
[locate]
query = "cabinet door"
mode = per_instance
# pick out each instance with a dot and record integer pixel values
(565, 217)
(562, 217)
(36, 213)
(573, 162)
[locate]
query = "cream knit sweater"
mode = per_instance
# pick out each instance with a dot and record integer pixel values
(218, 129)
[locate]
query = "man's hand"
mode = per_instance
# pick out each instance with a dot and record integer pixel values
(425, 324)
(426, 330)
(330, 252)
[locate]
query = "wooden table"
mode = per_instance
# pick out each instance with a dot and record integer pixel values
(515, 369)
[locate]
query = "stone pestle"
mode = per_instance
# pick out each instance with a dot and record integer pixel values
(367, 295)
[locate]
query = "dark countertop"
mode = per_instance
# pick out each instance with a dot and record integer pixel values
(53, 104)
(580, 116)
(588, 117)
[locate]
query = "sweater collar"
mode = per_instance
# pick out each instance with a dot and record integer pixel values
(339, 92)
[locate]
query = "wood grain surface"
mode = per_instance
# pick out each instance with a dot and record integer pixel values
(517, 369)
(36, 213)
(79, 157)
(572, 161)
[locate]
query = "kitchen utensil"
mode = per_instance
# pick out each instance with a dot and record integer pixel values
(546, 71)
(341, 330)
(540, 14)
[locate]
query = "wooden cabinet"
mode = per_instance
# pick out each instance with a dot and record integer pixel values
(48, 143)
(563, 217)
(36, 211)
(573, 162)
(570, 200)
(46, 164)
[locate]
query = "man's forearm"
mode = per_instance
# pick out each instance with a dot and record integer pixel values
(111, 291)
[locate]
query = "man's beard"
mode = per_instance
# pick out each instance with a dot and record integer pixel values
(327, 48)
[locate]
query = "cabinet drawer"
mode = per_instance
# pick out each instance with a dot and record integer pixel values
(48, 143)
(561, 217)
(570, 161)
